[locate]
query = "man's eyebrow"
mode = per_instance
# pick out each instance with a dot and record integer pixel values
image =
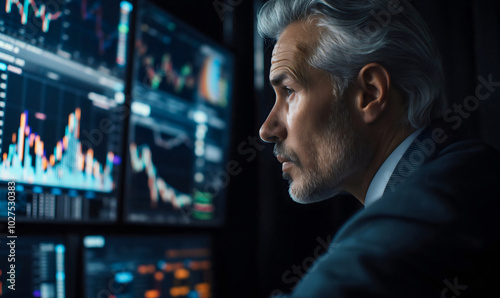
(278, 80)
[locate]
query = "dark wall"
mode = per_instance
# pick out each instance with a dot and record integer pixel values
(466, 33)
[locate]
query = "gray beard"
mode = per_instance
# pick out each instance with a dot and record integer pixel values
(335, 158)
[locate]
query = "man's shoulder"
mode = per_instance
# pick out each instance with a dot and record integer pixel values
(468, 165)
(457, 185)
(441, 223)
(464, 173)
(466, 158)
(449, 156)
(467, 148)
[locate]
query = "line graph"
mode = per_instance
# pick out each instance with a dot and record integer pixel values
(162, 172)
(142, 161)
(39, 12)
(171, 143)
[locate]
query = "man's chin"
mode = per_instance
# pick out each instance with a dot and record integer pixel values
(303, 195)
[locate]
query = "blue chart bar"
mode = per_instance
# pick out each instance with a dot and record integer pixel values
(68, 166)
(123, 29)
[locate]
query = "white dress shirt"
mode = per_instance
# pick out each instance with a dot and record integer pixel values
(379, 181)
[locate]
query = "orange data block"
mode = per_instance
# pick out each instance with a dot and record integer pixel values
(152, 294)
(159, 276)
(169, 267)
(32, 140)
(181, 273)
(90, 153)
(179, 291)
(77, 126)
(199, 265)
(146, 269)
(37, 146)
(59, 150)
(65, 142)
(23, 121)
(41, 147)
(203, 287)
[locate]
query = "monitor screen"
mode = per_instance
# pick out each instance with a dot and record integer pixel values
(179, 125)
(154, 267)
(62, 111)
(33, 267)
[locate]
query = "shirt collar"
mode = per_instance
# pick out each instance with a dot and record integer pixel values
(379, 181)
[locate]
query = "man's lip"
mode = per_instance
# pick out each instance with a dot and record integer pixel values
(285, 166)
(285, 163)
(282, 159)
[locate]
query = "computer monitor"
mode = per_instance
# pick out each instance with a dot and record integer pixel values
(62, 111)
(34, 266)
(154, 267)
(180, 124)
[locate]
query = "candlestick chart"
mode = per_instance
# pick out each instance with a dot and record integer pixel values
(47, 136)
(39, 11)
(53, 146)
(170, 63)
(68, 166)
(166, 63)
(91, 32)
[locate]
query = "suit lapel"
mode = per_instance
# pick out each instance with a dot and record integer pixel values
(420, 151)
(428, 144)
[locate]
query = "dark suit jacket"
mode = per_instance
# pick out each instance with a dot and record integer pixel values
(434, 233)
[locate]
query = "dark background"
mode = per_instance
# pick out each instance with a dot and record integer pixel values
(268, 241)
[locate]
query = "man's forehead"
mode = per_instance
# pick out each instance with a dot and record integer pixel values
(291, 52)
(297, 39)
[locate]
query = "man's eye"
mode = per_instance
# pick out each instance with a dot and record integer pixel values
(289, 91)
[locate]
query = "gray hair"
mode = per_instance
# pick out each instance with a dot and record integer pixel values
(356, 33)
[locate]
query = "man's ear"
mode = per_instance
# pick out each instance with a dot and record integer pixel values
(373, 83)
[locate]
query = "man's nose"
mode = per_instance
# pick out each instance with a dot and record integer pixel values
(273, 130)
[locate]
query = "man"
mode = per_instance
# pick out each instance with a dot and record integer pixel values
(359, 96)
